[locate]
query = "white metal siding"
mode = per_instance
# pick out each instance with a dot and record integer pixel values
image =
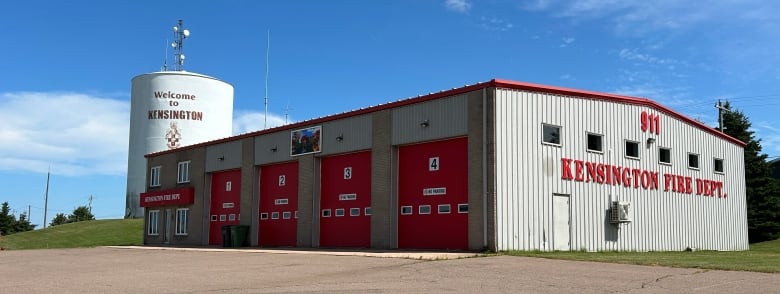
(528, 173)
(223, 156)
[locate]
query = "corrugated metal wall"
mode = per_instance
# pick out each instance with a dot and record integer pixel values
(529, 173)
(223, 156)
(444, 118)
(355, 134)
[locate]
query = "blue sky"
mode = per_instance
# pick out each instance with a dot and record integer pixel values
(65, 67)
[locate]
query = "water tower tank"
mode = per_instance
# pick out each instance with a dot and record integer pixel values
(168, 110)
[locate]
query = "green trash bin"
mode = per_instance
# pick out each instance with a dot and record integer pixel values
(238, 235)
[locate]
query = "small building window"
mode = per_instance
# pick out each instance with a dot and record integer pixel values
(444, 208)
(154, 176)
(406, 210)
(275, 215)
(595, 143)
(339, 212)
(286, 215)
(632, 149)
(326, 212)
(551, 134)
(367, 211)
(182, 218)
(263, 216)
(463, 208)
(153, 225)
(693, 160)
(424, 209)
(354, 211)
(184, 172)
(665, 155)
(718, 165)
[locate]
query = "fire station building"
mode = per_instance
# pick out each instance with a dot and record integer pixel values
(500, 165)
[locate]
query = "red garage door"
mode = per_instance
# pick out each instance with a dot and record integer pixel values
(225, 203)
(278, 204)
(433, 195)
(345, 205)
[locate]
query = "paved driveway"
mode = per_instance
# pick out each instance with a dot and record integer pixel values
(127, 270)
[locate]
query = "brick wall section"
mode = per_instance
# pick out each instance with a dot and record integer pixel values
(249, 204)
(305, 199)
(476, 222)
(382, 228)
(491, 168)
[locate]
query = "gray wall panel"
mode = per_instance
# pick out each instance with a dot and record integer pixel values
(223, 156)
(265, 143)
(447, 117)
(354, 131)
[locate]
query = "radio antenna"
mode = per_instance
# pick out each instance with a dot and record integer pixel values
(179, 34)
(165, 60)
(267, 52)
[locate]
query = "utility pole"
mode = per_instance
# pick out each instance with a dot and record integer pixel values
(28, 212)
(90, 203)
(46, 198)
(721, 109)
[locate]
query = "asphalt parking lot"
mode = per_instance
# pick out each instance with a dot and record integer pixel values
(149, 270)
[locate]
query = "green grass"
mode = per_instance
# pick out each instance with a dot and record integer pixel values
(762, 257)
(80, 234)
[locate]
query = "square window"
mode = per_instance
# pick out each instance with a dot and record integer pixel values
(153, 223)
(154, 176)
(214, 217)
(263, 215)
(463, 208)
(184, 172)
(595, 142)
(232, 217)
(286, 215)
(718, 165)
(326, 213)
(367, 211)
(296, 214)
(339, 212)
(275, 215)
(444, 208)
(424, 209)
(406, 210)
(665, 155)
(551, 134)
(693, 160)
(354, 212)
(632, 149)
(222, 217)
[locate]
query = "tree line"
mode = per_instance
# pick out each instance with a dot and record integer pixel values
(9, 224)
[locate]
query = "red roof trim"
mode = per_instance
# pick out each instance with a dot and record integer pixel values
(498, 83)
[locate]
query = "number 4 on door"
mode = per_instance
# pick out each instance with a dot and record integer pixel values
(433, 163)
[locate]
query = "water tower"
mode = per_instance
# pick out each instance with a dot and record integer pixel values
(170, 109)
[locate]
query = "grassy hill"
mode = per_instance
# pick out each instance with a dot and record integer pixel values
(80, 234)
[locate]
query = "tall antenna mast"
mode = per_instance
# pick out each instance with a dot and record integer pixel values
(165, 60)
(46, 198)
(267, 53)
(179, 34)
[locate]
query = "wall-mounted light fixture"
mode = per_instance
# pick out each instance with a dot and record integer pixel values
(425, 124)
(650, 141)
(273, 149)
(340, 138)
(221, 158)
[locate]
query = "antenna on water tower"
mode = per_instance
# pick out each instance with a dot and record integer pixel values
(179, 34)
(267, 52)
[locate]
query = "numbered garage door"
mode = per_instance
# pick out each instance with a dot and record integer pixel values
(345, 202)
(433, 195)
(225, 203)
(278, 205)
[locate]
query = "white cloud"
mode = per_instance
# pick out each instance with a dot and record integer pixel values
(74, 134)
(247, 121)
(495, 24)
(565, 42)
(770, 137)
(461, 6)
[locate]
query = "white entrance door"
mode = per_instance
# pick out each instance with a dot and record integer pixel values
(561, 230)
